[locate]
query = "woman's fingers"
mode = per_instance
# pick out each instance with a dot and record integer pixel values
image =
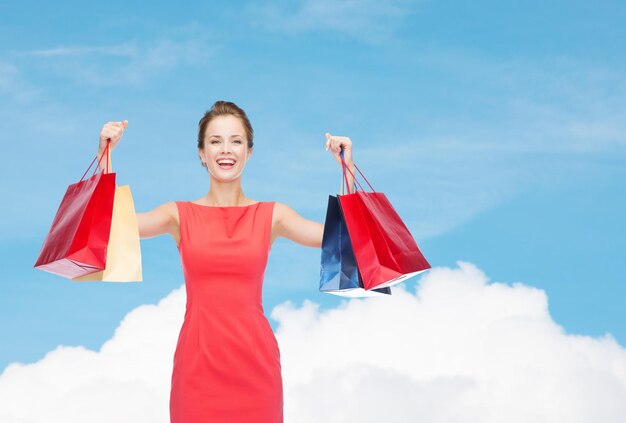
(336, 144)
(112, 131)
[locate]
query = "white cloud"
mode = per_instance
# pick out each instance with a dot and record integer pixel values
(458, 349)
(126, 381)
(369, 20)
(130, 63)
(124, 49)
(521, 105)
(461, 349)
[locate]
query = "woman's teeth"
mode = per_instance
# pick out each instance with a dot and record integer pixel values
(226, 164)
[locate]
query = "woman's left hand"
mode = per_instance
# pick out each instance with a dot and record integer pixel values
(335, 144)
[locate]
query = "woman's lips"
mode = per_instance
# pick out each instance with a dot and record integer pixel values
(226, 164)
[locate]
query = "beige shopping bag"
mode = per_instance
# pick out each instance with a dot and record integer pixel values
(123, 263)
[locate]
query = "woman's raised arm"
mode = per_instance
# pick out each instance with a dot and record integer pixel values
(310, 233)
(162, 219)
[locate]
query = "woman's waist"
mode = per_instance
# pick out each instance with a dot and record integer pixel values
(226, 304)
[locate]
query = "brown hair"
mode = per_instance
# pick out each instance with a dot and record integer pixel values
(221, 108)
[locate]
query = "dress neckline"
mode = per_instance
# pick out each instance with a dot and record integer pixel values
(224, 207)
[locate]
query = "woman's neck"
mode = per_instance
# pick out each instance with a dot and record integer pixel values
(225, 194)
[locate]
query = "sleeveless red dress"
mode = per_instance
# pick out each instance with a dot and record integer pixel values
(227, 361)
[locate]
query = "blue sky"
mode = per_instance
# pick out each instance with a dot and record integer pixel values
(496, 129)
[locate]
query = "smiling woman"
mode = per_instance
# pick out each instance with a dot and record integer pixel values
(236, 119)
(227, 361)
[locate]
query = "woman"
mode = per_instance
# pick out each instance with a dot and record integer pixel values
(227, 361)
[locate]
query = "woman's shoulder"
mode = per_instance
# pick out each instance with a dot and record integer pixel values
(279, 207)
(169, 208)
(282, 210)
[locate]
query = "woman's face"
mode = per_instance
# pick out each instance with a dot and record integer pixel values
(225, 148)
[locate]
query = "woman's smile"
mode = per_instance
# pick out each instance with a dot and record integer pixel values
(226, 163)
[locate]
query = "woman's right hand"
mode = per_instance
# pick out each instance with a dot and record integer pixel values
(112, 131)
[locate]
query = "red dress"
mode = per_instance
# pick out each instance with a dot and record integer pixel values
(227, 361)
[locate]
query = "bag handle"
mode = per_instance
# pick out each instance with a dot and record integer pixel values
(345, 167)
(105, 152)
(343, 170)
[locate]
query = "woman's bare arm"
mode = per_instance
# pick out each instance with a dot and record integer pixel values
(162, 219)
(290, 225)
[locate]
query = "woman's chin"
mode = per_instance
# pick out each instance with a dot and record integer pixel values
(225, 175)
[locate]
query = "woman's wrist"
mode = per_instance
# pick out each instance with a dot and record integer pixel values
(104, 162)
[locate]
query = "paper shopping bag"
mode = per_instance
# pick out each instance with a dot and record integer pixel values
(339, 274)
(386, 253)
(123, 261)
(77, 240)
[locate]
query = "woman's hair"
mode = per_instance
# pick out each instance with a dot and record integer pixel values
(221, 108)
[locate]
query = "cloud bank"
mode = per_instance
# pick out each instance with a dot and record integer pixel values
(368, 20)
(458, 348)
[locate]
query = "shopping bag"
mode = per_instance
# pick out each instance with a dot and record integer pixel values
(339, 274)
(77, 240)
(123, 261)
(386, 253)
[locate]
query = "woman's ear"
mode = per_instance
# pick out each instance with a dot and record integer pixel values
(201, 156)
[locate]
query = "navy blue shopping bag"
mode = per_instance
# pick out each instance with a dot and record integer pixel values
(339, 273)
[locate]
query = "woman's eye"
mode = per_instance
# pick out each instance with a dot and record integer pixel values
(214, 141)
(238, 141)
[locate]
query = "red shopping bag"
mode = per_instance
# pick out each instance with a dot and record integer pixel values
(77, 241)
(386, 253)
